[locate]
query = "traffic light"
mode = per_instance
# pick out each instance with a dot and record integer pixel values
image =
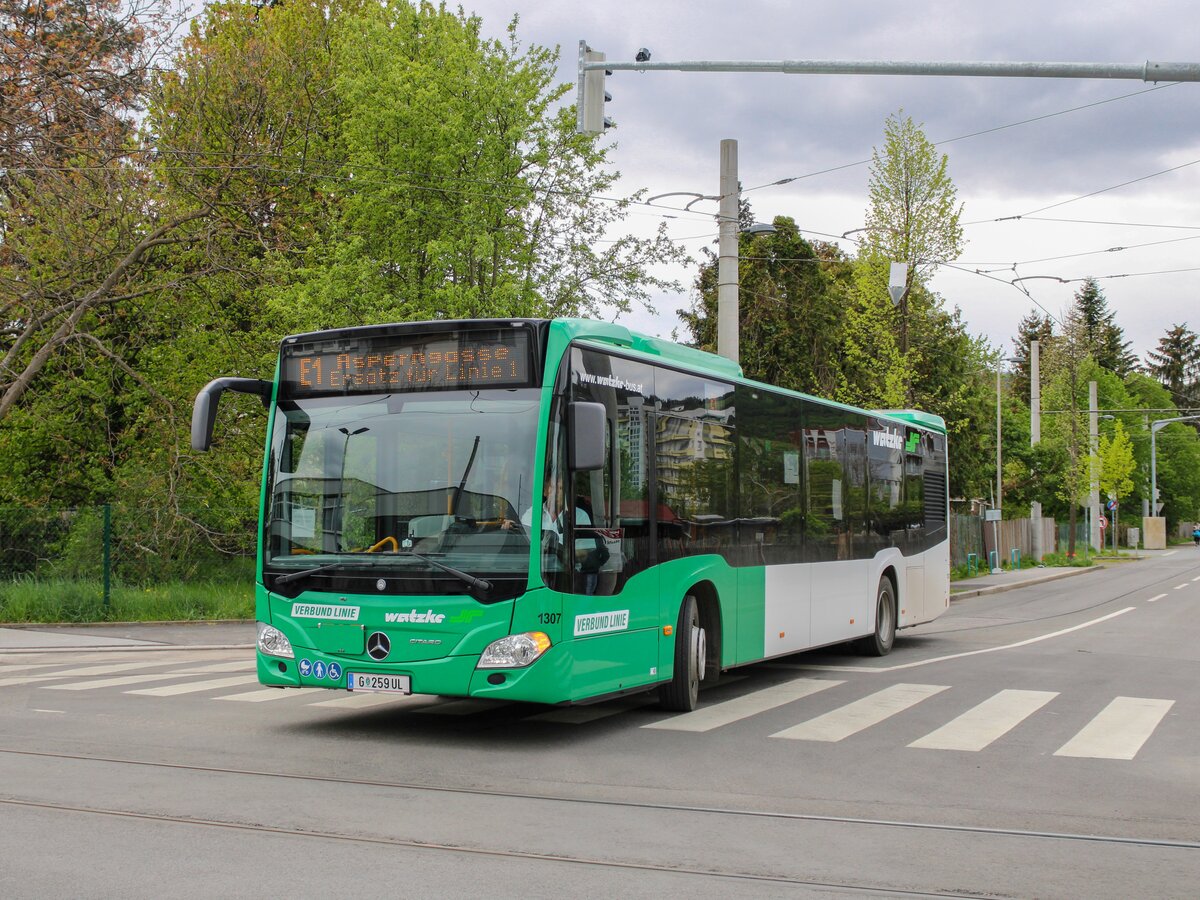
(591, 95)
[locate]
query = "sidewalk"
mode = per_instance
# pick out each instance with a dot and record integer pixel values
(1008, 581)
(225, 635)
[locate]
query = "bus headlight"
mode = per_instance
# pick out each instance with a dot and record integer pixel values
(274, 642)
(514, 651)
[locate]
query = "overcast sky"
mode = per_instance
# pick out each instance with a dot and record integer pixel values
(670, 125)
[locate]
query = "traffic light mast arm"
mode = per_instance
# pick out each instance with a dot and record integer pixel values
(1147, 71)
(594, 68)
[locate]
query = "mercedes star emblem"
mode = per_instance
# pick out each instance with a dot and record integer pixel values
(378, 645)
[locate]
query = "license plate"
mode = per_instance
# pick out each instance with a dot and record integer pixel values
(395, 684)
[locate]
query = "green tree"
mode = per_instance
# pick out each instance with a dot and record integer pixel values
(1176, 363)
(792, 295)
(76, 230)
(1097, 327)
(913, 215)
(1033, 327)
(1116, 468)
(453, 184)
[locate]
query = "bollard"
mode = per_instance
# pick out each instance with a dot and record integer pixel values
(1014, 557)
(972, 564)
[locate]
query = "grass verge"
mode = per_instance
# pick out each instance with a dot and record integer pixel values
(70, 600)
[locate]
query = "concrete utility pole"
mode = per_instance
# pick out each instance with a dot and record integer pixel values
(727, 260)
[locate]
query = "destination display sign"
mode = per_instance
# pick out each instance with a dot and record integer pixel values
(399, 363)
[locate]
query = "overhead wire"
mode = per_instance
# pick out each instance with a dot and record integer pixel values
(963, 137)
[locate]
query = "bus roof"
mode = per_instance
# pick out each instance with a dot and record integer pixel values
(619, 336)
(718, 366)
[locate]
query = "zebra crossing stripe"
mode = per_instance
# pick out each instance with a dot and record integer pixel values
(719, 714)
(193, 687)
(991, 719)
(1120, 729)
(854, 717)
(264, 696)
(112, 682)
(85, 672)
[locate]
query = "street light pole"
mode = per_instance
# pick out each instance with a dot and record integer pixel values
(1155, 427)
(1035, 437)
(999, 470)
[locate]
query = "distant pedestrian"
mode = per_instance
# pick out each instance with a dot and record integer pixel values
(1196, 535)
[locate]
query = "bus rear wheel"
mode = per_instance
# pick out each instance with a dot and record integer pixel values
(880, 643)
(682, 692)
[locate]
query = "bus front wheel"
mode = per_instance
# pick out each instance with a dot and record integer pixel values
(681, 693)
(880, 643)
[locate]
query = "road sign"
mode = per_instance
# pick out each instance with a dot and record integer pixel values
(1111, 505)
(1103, 523)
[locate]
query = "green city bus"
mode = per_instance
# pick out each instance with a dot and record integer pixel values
(560, 511)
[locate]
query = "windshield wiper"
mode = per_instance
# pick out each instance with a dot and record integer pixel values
(476, 584)
(304, 573)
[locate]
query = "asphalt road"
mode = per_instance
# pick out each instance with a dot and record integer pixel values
(1039, 742)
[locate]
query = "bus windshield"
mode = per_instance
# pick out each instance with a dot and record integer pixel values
(386, 482)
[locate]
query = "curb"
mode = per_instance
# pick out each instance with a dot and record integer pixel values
(1000, 588)
(123, 648)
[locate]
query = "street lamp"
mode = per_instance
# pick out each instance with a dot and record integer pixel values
(1154, 429)
(999, 471)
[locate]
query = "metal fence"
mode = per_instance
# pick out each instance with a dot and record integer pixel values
(103, 543)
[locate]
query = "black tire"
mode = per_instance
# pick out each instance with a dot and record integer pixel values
(880, 643)
(682, 692)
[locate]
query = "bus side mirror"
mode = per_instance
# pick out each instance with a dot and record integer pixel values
(586, 424)
(204, 411)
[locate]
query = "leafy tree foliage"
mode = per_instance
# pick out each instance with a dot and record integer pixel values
(298, 165)
(1033, 327)
(1095, 325)
(913, 213)
(1117, 464)
(791, 300)
(1176, 363)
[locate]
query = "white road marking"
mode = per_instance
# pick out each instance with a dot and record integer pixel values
(1180, 587)
(111, 682)
(938, 659)
(1119, 731)
(719, 714)
(79, 673)
(991, 719)
(854, 717)
(263, 696)
(1158, 597)
(194, 687)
